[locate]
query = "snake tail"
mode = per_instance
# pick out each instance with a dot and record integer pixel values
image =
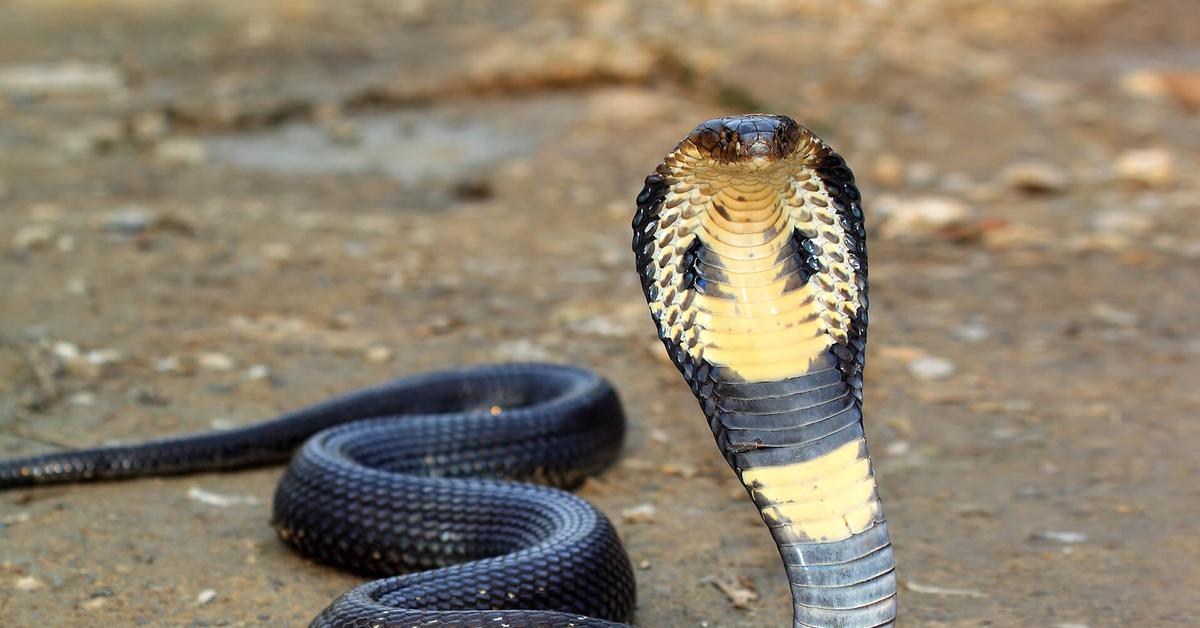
(751, 247)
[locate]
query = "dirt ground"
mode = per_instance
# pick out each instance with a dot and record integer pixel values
(212, 212)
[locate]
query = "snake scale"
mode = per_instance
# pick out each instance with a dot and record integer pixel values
(750, 246)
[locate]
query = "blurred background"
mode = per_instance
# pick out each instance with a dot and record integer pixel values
(214, 211)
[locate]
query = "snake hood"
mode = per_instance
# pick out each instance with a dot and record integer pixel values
(733, 235)
(750, 245)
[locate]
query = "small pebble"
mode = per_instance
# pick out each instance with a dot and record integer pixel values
(222, 423)
(66, 244)
(343, 320)
(149, 126)
(206, 596)
(69, 77)
(46, 212)
(29, 583)
(1007, 236)
(76, 286)
(83, 398)
(986, 406)
(169, 364)
(33, 237)
(1184, 87)
(15, 518)
(180, 152)
(1035, 177)
(524, 350)
(917, 587)
(92, 137)
(90, 365)
(644, 565)
(1030, 492)
(956, 182)
(642, 513)
(149, 396)
(636, 464)
(1153, 167)
(1146, 84)
(356, 249)
(888, 170)
(65, 350)
(1122, 222)
(740, 590)
(196, 493)
(974, 331)
(129, 221)
(603, 325)
(920, 173)
(103, 357)
(974, 510)
(681, 469)
(336, 126)
(378, 354)
(258, 372)
(1043, 92)
(216, 361)
(931, 367)
(1003, 433)
(276, 251)
(1065, 537)
(1112, 315)
(94, 603)
(921, 217)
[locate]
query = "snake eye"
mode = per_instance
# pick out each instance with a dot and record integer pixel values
(790, 137)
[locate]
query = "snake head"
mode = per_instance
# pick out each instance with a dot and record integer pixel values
(757, 139)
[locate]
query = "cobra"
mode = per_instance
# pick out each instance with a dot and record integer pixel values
(424, 476)
(750, 243)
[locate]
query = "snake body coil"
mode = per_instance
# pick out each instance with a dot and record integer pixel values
(750, 244)
(393, 481)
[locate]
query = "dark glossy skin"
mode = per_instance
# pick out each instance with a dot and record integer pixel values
(425, 473)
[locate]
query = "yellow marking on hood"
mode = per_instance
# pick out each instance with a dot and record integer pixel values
(763, 356)
(770, 336)
(786, 302)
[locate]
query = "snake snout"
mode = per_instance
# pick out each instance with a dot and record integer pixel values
(756, 146)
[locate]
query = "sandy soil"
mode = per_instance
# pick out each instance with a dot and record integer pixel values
(210, 213)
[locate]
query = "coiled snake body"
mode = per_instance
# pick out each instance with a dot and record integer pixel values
(749, 243)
